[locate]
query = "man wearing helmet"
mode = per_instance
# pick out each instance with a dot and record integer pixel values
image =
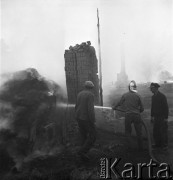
(85, 117)
(133, 107)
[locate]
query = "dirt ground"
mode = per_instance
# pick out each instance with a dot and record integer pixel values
(62, 161)
(65, 164)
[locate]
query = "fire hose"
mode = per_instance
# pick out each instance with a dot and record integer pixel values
(149, 142)
(145, 128)
(148, 138)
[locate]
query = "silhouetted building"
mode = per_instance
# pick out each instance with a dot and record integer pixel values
(80, 66)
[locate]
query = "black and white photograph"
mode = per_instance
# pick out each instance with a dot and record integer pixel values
(86, 89)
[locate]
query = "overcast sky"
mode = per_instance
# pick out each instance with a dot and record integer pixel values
(35, 33)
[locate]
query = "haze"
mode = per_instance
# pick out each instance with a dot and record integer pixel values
(35, 33)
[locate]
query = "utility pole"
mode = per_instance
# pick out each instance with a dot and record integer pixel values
(100, 62)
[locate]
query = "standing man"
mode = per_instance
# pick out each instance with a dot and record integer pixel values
(133, 107)
(85, 117)
(159, 116)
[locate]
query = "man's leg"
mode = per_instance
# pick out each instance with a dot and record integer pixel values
(91, 137)
(164, 134)
(82, 131)
(157, 132)
(138, 129)
(128, 129)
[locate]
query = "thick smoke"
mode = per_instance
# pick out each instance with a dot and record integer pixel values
(28, 114)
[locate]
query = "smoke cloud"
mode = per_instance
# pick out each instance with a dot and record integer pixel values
(36, 33)
(28, 108)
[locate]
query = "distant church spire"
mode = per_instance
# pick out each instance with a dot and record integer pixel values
(123, 69)
(122, 78)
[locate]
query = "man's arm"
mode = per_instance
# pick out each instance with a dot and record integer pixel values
(119, 103)
(152, 114)
(165, 107)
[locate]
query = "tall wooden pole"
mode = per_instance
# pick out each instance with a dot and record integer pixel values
(100, 62)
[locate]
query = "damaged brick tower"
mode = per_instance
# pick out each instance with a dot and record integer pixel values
(80, 66)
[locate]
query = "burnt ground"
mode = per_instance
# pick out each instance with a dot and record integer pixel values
(65, 164)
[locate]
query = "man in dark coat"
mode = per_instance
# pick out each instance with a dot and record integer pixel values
(159, 117)
(85, 117)
(133, 107)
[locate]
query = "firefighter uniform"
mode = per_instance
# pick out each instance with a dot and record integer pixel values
(133, 105)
